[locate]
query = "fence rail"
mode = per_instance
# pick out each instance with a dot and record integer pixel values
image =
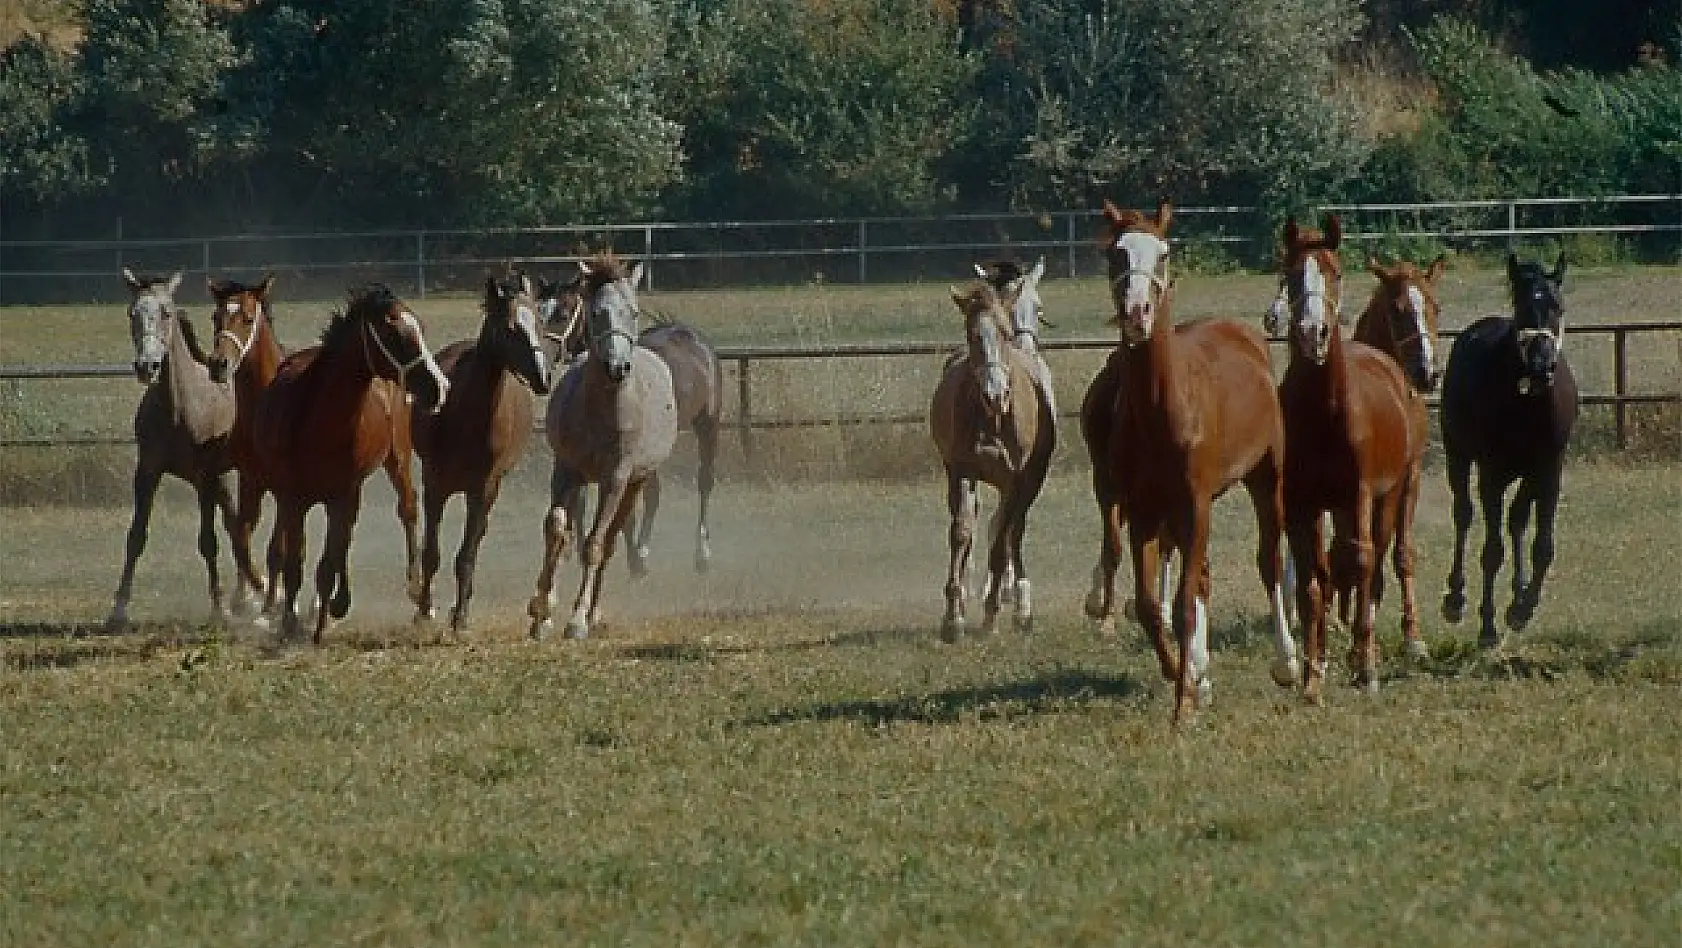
(743, 358)
(680, 255)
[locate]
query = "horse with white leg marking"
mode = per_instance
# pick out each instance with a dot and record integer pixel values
(1195, 412)
(1508, 405)
(477, 437)
(181, 427)
(992, 423)
(612, 421)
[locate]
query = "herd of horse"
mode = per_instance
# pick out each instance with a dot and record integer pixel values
(1179, 414)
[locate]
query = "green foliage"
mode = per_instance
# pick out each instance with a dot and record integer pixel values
(812, 108)
(39, 158)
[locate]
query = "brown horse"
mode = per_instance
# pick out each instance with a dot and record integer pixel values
(698, 386)
(479, 434)
(612, 420)
(992, 422)
(1195, 413)
(180, 427)
(326, 422)
(1355, 443)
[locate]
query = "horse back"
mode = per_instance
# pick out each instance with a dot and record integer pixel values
(316, 433)
(697, 375)
(1237, 394)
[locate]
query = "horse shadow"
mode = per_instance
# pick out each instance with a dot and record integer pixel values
(1053, 693)
(46, 646)
(704, 652)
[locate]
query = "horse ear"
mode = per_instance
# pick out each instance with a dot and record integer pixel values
(1559, 269)
(636, 274)
(957, 297)
(1164, 214)
(1035, 274)
(525, 284)
(1435, 270)
(1512, 267)
(133, 282)
(1378, 269)
(1111, 213)
(980, 271)
(1290, 233)
(1334, 231)
(492, 288)
(175, 283)
(583, 269)
(264, 287)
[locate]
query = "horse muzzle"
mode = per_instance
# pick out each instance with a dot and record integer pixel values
(146, 370)
(218, 367)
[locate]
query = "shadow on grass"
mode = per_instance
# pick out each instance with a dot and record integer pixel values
(40, 646)
(1049, 694)
(705, 652)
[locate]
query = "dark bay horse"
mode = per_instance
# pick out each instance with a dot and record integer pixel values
(1355, 436)
(326, 422)
(698, 386)
(1195, 412)
(181, 428)
(991, 420)
(612, 421)
(1508, 404)
(480, 432)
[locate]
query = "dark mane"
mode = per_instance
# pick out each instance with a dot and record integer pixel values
(979, 293)
(372, 300)
(190, 336)
(1001, 273)
(149, 282)
(224, 288)
(605, 268)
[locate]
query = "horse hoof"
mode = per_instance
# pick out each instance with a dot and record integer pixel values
(577, 629)
(951, 628)
(1286, 673)
(1101, 625)
(1454, 607)
(1519, 615)
(1094, 604)
(1205, 692)
(989, 625)
(1130, 609)
(540, 629)
(116, 625)
(424, 615)
(1416, 649)
(1024, 623)
(703, 563)
(1489, 639)
(458, 624)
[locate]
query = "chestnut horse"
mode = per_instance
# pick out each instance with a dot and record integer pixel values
(1355, 443)
(612, 420)
(1195, 412)
(325, 423)
(469, 444)
(180, 427)
(1509, 402)
(698, 386)
(992, 422)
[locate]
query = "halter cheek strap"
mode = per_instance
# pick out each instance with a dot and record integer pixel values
(245, 346)
(403, 368)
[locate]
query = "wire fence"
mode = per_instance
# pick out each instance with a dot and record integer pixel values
(849, 250)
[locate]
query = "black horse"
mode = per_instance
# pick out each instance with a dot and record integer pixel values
(1508, 404)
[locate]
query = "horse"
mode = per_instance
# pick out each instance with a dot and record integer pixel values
(992, 421)
(612, 421)
(325, 423)
(1195, 412)
(246, 346)
(479, 434)
(1509, 401)
(1355, 434)
(181, 428)
(698, 386)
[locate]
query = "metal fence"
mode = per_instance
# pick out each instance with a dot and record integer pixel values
(747, 420)
(850, 250)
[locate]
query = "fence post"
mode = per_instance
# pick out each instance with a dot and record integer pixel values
(744, 410)
(863, 269)
(1620, 383)
(420, 264)
(1071, 245)
(1512, 226)
(207, 260)
(647, 257)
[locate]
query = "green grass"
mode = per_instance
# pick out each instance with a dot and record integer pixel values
(781, 752)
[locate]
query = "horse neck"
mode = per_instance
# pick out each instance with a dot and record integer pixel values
(1154, 378)
(1331, 378)
(1374, 329)
(257, 369)
(348, 368)
(204, 407)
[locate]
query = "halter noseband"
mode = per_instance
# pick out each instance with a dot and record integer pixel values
(250, 339)
(403, 368)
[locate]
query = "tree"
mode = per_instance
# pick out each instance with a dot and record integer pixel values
(40, 158)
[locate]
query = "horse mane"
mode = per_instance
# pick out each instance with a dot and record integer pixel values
(605, 268)
(978, 293)
(221, 288)
(373, 298)
(1001, 273)
(148, 281)
(190, 336)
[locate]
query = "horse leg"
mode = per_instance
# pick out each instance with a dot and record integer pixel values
(1193, 688)
(213, 494)
(996, 526)
(1375, 518)
(246, 514)
(479, 504)
(1518, 521)
(1100, 599)
(614, 492)
(960, 505)
(400, 472)
(1541, 552)
(1026, 493)
(637, 536)
(1149, 561)
(706, 450)
(433, 500)
(1459, 484)
(1490, 494)
(627, 508)
(998, 558)
(1402, 559)
(332, 576)
(1266, 490)
(1306, 534)
(146, 480)
(286, 556)
(565, 497)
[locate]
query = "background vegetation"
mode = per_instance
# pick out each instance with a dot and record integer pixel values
(185, 116)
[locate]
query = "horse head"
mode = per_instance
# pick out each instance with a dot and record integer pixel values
(610, 312)
(394, 345)
(1027, 312)
(152, 317)
(1539, 315)
(561, 307)
(237, 318)
(987, 324)
(1313, 279)
(511, 332)
(1407, 310)
(1136, 250)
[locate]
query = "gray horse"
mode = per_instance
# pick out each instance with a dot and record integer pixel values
(180, 428)
(612, 421)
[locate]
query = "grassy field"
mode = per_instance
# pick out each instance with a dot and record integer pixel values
(781, 752)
